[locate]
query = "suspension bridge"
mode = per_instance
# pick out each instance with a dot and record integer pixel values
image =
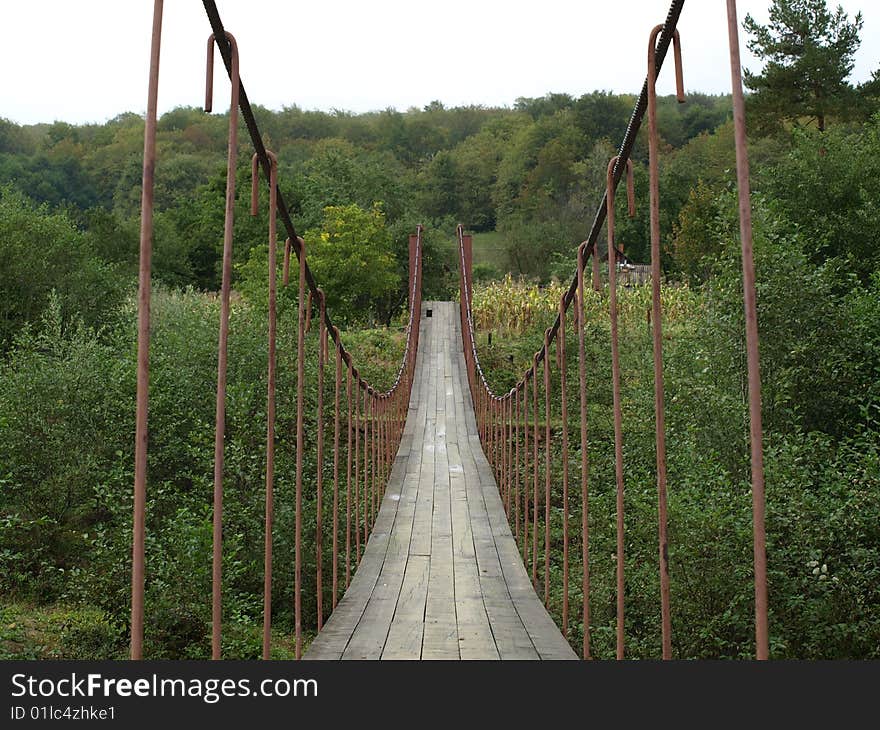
(439, 523)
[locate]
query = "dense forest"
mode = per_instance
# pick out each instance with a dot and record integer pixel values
(526, 180)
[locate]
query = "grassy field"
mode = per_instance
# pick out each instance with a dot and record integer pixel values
(489, 251)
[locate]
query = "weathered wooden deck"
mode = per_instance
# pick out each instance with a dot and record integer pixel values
(441, 577)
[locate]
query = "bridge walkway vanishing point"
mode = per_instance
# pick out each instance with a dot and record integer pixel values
(441, 577)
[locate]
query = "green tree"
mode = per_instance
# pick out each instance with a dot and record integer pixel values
(41, 252)
(350, 255)
(809, 55)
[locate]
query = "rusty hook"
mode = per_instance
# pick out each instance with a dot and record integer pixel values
(630, 186)
(209, 74)
(652, 65)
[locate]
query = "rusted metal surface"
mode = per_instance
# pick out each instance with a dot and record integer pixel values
(516, 463)
(547, 460)
(762, 650)
(226, 279)
(143, 342)
(615, 390)
(348, 482)
(337, 390)
(585, 501)
(270, 394)
(319, 476)
(535, 472)
(657, 326)
(300, 447)
(560, 357)
(358, 438)
(526, 471)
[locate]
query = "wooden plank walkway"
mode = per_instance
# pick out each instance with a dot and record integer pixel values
(441, 577)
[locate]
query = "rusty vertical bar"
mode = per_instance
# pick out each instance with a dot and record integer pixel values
(511, 472)
(615, 387)
(380, 450)
(270, 378)
(585, 521)
(657, 325)
(374, 455)
(560, 356)
(490, 426)
(535, 473)
(300, 445)
(348, 481)
(502, 441)
(762, 649)
(508, 454)
(467, 241)
(336, 394)
(516, 465)
(220, 411)
(547, 469)
(143, 343)
(319, 511)
(382, 406)
(526, 471)
(413, 244)
(462, 297)
(357, 469)
(368, 457)
(385, 452)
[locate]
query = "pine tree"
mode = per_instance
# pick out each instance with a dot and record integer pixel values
(808, 51)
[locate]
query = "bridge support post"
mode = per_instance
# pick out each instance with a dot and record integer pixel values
(413, 243)
(143, 346)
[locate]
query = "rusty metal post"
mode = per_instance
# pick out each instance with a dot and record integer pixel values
(516, 469)
(220, 419)
(270, 397)
(762, 649)
(300, 446)
(615, 385)
(368, 457)
(526, 470)
(348, 482)
(374, 456)
(547, 458)
(657, 328)
(535, 473)
(413, 244)
(319, 512)
(143, 346)
(285, 277)
(560, 356)
(336, 393)
(357, 469)
(467, 242)
(511, 471)
(505, 466)
(490, 406)
(585, 523)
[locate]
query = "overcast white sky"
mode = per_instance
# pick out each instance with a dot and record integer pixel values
(87, 60)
